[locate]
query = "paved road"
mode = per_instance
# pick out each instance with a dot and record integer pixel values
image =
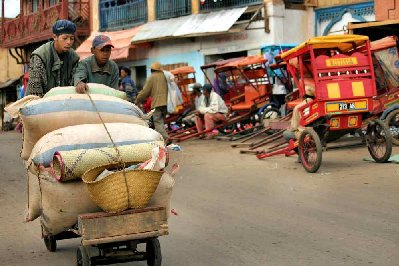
(236, 210)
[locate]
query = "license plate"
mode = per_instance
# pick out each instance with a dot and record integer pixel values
(347, 106)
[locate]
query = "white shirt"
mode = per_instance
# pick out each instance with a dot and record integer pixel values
(278, 87)
(198, 100)
(216, 105)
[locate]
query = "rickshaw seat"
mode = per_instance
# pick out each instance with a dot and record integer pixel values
(292, 104)
(250, 96)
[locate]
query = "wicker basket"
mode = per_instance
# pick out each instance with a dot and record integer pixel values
(123, 189)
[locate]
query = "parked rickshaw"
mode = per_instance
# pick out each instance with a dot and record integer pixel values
(247, 87)
(184, 77)
(342, 73)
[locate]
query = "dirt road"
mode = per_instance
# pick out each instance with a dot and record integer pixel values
(236, 210)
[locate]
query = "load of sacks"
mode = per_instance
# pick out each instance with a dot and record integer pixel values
(66, 134)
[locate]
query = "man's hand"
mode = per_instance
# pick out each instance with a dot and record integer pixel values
(81, 87)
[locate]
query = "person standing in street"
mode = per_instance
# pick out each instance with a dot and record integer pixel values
(156, 86)
(53, 64)
(97, 68)
(127, 84)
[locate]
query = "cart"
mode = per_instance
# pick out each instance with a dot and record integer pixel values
(341, 70)
(117, 238)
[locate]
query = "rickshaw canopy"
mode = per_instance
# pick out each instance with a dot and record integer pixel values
(242, 62)
(183, 70)
(221, 62)
(342, 42)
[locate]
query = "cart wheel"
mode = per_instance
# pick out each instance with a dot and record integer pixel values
(310, 150)
(82, 258)
(379, 141)
(269, 114)
(51, 243)
(153, 252)
(392, 121)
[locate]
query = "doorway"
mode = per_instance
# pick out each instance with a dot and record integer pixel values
(141, 76)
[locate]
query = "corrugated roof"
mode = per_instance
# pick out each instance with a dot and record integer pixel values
(189, 26)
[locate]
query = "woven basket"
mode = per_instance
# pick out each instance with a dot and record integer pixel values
(114, 194)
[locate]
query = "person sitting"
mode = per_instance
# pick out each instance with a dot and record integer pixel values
(295, 127)
(196, 95)
(211, 109)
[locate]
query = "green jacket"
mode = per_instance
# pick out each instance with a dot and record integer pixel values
(89, 72)
(156, 86)
(59, 73)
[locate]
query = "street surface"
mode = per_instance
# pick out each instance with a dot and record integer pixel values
(237, 210)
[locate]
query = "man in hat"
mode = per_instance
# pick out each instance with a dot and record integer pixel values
(97, 68)
(53, 63)
(156, 86)
(196, 98)
(212, 109)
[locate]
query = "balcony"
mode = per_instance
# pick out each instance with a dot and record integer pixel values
(118, 15)
(172, 8)
(36, 27)
(211, 4)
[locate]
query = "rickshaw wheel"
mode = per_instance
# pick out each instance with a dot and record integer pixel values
(310, 150)
(392, 121)
(379, 141)
(153, 252)
(51, 243)
(82, 258)
(268, 115)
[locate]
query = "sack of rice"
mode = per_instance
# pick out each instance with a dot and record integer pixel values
(89, 136)
(33, 207)
(69, 165)
(44, 115)
(62, 203)
(94, 88)
(163, 193)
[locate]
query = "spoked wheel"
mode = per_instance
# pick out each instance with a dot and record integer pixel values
(310, 150)
(268, 115)
(82, 258)
(153, 252)
(392, 122)
(51, 243)
(379, 141)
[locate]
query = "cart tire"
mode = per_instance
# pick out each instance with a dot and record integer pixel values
(153, 252)
(82, 258)
(269, 114)
(379, 141)
(392, 121)
(51, 243)
(310, 150)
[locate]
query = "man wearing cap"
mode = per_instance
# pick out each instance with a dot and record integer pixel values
(97, 68)
(156, 86)
(196, 98)
(53, 63)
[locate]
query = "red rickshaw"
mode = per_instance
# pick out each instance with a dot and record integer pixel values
(341, 70)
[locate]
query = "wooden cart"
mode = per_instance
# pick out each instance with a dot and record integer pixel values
(117, 238)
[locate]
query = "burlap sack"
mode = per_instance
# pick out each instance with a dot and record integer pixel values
(89, 136)
(33, 206)
(44, 115)
(62, 203)
(94, 88)
(163, 193)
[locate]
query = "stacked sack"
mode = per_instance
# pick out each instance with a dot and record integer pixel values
(64, 137)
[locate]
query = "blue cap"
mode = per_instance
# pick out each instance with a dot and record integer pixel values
(102, 40)
(64, 27)
(207, 87)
